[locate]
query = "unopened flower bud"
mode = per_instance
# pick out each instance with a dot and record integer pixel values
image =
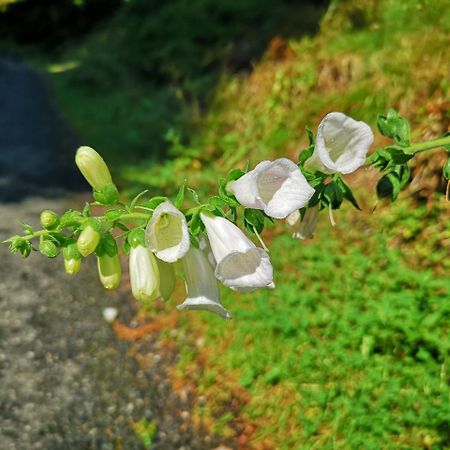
(144, 274)
(72, 266)
(48, 248)
(109, 271)
(93, 168)
(88, 241)
(167, 279)
(49, 219)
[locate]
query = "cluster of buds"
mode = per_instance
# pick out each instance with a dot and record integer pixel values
(204, 241)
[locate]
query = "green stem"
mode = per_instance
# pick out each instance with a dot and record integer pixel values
(424, 146)
(34, 235)
(135, 216)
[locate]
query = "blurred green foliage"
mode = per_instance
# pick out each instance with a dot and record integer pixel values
(350, 351)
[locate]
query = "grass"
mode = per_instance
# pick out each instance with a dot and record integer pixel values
(349, 351)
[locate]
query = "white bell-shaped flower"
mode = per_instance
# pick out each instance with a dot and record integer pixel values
(201, 284)
(240, 264)
(144, 274)
(277, 187)
(304, 229)
(167, 233)
(341, 146)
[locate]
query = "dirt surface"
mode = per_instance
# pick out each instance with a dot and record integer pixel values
(66, 380)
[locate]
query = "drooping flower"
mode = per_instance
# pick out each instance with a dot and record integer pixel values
(144, 274)
(93, 168)
(305, 228)
(342, 145)
(167, 233)
(201, 285)
(109, 271)
(166, 279)
(240, 264)
(277, 187)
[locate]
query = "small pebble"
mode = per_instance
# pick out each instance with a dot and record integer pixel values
(110, 314)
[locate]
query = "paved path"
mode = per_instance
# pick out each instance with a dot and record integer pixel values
(66, 382)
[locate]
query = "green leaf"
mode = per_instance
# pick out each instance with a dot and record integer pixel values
(255, 219)
(395, 126)
(113, 214)
(180, 196)
(217, 201)
(195, 196)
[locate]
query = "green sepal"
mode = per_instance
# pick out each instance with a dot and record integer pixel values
(195, 223)
(95, 224)
(389, 186)
(136, 238)
(346, 191)
(106, 246)
(307, 152)
(136, 199)
(332, 195)
(48, 248)
(229, 199)
(446, 170)
(70, 219)
(70, 250)
(109, 195)
(154, 202)
(19, 245)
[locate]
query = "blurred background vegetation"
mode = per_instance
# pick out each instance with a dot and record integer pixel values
(352, 349)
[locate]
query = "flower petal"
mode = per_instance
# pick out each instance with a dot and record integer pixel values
(246, 271)
(224, 236)
(283, 188)
(342, 144)
(167, 233)
(201, 285)
(306, 228)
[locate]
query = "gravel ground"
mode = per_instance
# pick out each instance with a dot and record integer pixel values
(66, 381)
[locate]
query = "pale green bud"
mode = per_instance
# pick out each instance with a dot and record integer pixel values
(48, 248)
(49, 219)
(72, 266)
(144, 274)
(109, 271)
(88, 240)
(93, 168)
(166, 279)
